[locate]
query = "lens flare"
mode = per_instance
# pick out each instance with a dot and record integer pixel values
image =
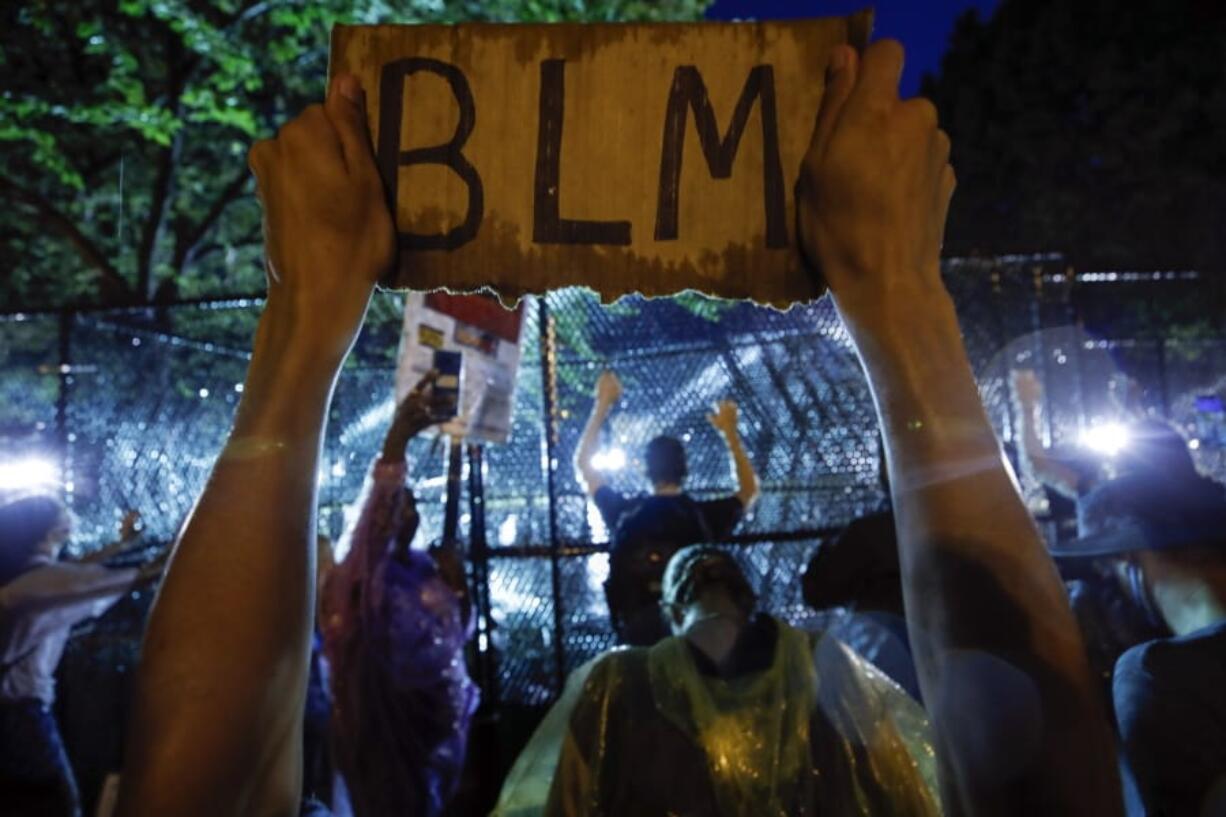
(1108, 439)
(28, 472)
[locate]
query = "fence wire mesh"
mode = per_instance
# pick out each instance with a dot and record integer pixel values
(131, 407)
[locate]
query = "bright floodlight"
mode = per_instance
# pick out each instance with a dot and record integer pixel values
(508, 531)
(30, 472)
(611, 459)
(1108, 439)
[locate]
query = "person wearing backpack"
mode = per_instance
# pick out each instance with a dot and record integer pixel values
(646, 530)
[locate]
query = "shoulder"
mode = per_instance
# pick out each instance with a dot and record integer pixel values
(609, 676)
(722, 514)
(617, 662)
(729, 501)
(607, 493)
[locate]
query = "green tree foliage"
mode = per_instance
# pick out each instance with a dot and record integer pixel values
(1093, 128)
(124, 126)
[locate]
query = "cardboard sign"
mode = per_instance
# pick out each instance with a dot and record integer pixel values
(486, 335)
(626, 158)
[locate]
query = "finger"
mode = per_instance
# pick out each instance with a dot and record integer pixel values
(426, 379)
(949, 183)
(923, 111)
(259, 159)
(346, 109)
(878, 76)
(310, 132)
(840, 80)
(941, 147)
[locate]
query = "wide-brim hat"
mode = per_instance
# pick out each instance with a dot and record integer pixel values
(1148, 512)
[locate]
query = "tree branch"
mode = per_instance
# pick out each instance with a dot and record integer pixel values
(159, 207)
(164, 183)
(226, 25)
(113, 286)
(187, 243)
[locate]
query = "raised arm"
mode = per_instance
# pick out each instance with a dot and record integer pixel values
(128, 533)
(1028, 395)
(220, 689)
(608, 392)
(1020, 726)
(411, 418)
(724, 419)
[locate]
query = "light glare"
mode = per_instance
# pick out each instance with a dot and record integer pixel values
(1108, 439)
(29, 472)
(611, 459)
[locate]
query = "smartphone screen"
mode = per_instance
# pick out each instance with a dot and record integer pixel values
(445, 400)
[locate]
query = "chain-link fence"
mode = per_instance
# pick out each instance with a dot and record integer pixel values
(130, 407)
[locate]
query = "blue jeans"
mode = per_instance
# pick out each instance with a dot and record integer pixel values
(1170, 701)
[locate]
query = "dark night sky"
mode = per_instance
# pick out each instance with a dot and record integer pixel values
(923, 26)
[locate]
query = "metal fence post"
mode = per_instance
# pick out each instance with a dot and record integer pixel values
(549, 396)
(64, 373)
(479, 558)
(451, 510)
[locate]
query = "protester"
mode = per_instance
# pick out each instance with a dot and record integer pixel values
(738, 713)
(1107, 593)
(857, 573)
(1163, 532)
(394, 627)
(1019, 722)
(648, 530)
(1019, 727)
(41, 600)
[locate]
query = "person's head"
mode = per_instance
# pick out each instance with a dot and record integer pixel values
(29, 527)
(704, 578)
(665, 462)
(1164, 539)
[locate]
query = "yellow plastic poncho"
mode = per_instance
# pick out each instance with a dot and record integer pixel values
(641, 731)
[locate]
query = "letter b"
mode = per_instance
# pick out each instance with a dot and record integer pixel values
(391, 158)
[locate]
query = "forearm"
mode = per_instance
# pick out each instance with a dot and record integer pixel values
(586, 449)
(107, 552)
(377, 521)
(1035, 459)
(980, 589)
(397, 439)
(229, 634)
(746, 478)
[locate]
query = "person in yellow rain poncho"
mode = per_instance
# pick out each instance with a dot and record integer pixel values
(736, 714)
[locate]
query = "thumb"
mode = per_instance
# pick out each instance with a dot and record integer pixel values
(346, 110)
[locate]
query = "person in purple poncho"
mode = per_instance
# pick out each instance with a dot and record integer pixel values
(394, 624)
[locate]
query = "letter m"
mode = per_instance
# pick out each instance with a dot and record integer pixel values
(690, 92)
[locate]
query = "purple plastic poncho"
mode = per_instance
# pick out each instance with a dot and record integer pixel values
(394, 635)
